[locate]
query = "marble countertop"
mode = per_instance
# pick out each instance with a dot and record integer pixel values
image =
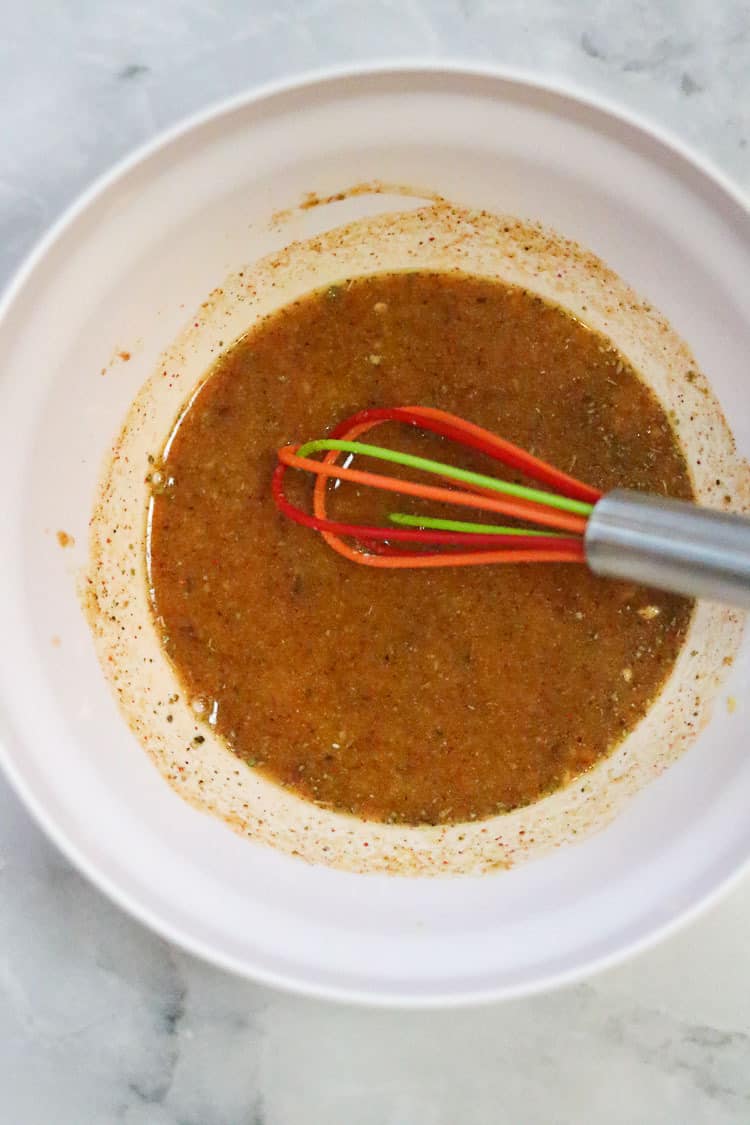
(100, 1021)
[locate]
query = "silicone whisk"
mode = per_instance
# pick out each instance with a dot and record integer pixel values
(624, 534)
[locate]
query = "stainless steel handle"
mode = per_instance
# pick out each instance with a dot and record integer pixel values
(671, 545)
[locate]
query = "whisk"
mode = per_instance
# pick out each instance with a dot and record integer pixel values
(635, 536)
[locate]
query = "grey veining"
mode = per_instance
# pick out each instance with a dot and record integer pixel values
(100, 1022)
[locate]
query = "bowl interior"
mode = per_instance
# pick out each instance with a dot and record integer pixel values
(120, 277)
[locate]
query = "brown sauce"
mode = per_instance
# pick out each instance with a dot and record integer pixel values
(408, 696)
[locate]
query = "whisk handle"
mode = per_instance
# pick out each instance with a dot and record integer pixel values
(671, 545)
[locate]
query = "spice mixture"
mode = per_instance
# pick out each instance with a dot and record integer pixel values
(407, 696)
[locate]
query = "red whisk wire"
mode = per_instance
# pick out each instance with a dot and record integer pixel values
(474, 437)
(482, 548)
(403, 535)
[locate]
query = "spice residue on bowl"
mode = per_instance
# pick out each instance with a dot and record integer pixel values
(151, 689)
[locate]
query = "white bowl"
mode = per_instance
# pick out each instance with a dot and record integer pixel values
(120, 273)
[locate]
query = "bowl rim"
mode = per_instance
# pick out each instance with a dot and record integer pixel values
(562, 90)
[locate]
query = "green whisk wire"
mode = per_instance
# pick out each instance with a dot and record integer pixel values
(426, 465)
(405, 520)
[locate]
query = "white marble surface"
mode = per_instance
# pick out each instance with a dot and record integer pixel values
(100, 1022)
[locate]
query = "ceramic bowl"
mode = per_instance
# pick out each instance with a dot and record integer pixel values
(83, 326)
